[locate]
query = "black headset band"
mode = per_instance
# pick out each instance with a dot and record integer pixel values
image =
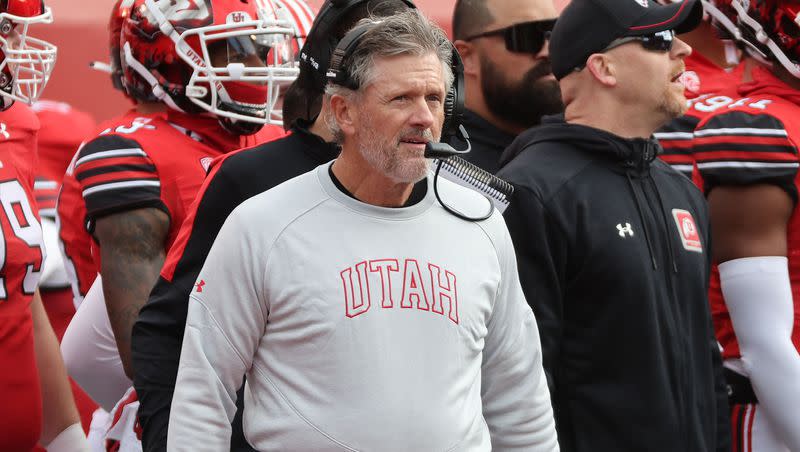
(454, 100)
(321, 41)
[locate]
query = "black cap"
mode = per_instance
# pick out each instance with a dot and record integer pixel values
(589, 26)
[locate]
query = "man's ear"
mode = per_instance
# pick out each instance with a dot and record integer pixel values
(602, 67)
(469, 56)
(343, 111)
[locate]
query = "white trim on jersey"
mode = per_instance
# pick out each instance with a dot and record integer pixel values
(45, 185)
(123, 184)
(129, 152)
(683, 168)
(756, 433)
(751, 165)
(742, 131)
(674, 135)
(47, 213)
(748, 415)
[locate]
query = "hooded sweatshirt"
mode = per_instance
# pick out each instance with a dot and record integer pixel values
(613, 252)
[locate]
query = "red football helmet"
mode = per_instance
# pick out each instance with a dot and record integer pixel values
(120, 11)
(25, 62)
(226, 57)
(770, 28)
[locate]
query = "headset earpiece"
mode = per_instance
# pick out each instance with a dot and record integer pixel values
(336, 73)
(317, 51)
(454, 101)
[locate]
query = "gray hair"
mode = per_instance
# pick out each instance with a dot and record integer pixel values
(406, 33)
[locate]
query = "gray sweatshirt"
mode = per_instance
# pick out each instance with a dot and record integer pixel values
(361, 328)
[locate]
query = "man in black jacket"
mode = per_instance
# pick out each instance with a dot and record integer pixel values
(158, 332)
(613, 244)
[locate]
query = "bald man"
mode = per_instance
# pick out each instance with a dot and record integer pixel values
(509, 82)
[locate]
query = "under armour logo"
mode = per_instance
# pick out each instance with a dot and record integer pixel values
(199, 286)
(625, 230)
(3, 131)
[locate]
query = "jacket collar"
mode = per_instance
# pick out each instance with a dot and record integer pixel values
(630, 153)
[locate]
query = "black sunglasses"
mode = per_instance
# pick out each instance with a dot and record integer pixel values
(526, 37)
(657, 42)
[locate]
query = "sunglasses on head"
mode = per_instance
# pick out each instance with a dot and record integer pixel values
(657, 42)
(526, 37)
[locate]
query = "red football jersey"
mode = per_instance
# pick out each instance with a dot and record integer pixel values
(753, 140)
(21, 256)
(140, 162)
(76, 243)
(708, 87)
(136, 161)
(62, 131)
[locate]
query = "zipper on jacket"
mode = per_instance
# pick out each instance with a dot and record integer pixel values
(640, 210)
(674, 311)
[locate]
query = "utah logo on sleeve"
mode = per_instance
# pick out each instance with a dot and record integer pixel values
(687, 230)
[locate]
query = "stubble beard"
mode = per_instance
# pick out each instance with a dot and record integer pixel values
(673, 105)
(386, 156)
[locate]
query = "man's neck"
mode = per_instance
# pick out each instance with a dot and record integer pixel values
(621, 123)
(319, 127)
(367, 185)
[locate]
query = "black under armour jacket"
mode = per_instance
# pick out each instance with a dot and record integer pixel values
(613, 252)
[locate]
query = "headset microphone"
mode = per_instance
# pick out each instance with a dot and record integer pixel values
(485, 183)
(444, 150)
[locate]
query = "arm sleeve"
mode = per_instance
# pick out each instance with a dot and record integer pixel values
(516, 400)
(741, 148)
(759, 298)
(116, 174)
(158, 332)
(90, 351)
(226, 320)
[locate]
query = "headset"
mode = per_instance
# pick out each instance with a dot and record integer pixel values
(453, 103)
(321, 41)
(482, 181)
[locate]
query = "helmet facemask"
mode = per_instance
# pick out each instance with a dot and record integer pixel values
(771, 31)
(239, 71)
(27, 62)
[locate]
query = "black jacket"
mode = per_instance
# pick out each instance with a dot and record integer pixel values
(487, 142)
(158, 332)
(619, 292)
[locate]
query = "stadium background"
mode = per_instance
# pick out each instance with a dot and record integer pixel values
(81, 34)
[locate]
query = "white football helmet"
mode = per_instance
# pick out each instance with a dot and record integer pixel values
(25, 62)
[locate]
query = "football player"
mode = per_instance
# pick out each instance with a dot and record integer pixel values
(62, 130)
(746, 152)
(714, 70)
(34, 391)
(216, 64)
(92, 360)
